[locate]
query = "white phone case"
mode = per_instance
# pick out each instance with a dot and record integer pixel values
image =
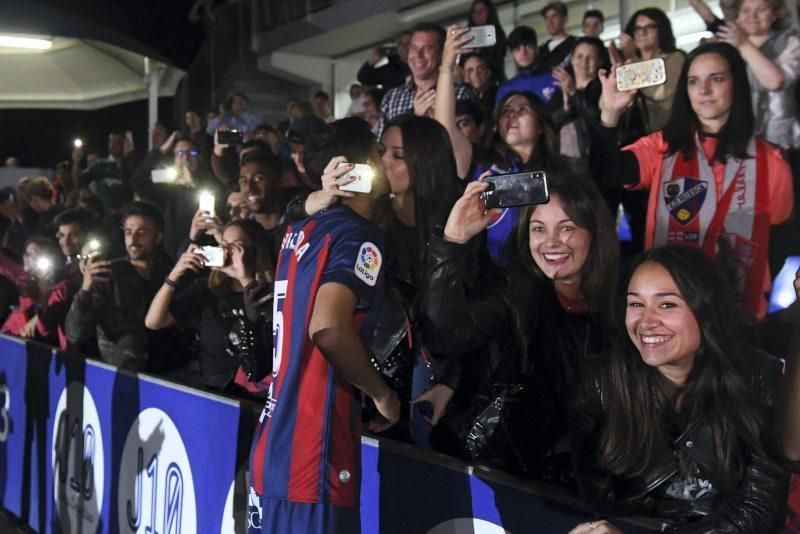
(641, 74)
(483, 36)
(162, 176)
(363, 181)
(214, 256)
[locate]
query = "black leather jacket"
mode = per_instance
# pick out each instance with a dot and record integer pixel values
(758, 504)
(510, 329)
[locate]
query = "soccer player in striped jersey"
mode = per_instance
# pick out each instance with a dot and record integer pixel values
(305, 460)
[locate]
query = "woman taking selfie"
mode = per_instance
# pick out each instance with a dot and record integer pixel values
(222, 302)
(524, 332)
(702, 456)
(713, 185)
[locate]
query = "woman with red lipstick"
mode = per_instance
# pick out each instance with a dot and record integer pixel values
(677, 419)
(517, 340)
(713, 184)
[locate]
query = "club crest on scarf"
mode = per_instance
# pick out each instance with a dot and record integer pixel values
(684, 197)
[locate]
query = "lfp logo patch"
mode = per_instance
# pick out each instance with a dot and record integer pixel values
(368, 263)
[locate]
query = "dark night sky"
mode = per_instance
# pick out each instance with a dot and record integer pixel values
(42, 137)
(162, 24)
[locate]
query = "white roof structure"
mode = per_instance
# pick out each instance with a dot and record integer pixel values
(88, 66)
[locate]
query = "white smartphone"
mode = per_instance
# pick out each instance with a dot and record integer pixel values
(641, 74)
(214, 256)
(206, 201)
(483, 36)
(363, 181)
(163, 176)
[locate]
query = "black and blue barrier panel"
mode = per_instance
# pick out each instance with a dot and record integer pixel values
(85, 447)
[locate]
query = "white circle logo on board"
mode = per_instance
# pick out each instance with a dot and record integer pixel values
(77, 462)
(156, 489)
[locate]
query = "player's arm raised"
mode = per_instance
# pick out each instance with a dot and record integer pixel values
(332, 331)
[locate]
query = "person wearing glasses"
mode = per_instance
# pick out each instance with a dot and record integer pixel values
(648, 35)
(188, 176)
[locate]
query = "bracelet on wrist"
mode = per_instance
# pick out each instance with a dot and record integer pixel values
(171, 283)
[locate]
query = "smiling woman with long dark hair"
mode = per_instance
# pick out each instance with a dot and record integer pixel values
(702, 454)
(522, 334)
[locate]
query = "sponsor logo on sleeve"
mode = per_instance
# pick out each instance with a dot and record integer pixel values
(368, 263)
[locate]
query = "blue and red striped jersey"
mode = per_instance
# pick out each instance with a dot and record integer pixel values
(307, 445)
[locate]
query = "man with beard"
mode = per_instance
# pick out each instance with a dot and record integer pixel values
(115, 295)
(260, 182)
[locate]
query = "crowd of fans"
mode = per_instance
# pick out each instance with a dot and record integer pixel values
(526, 338)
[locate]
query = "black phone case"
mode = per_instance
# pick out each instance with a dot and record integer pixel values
(518, 189)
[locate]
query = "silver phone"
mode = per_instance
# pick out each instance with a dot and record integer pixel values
(482, 36)
(214, 256)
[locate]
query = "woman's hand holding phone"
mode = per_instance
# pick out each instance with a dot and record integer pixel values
(469, 215)
(613, 102)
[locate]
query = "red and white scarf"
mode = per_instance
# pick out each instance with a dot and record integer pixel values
(689, 212)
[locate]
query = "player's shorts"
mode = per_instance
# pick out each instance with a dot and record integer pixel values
(285, 517)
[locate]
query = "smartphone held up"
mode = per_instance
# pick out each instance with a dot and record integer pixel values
(641, 74)
(363, 178)
(482, 36)
(206, 202)
(164, 176)
(212, 256)
(230, 137)
(517, 189)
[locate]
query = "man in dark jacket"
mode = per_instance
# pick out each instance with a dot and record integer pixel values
(115, 295)
(557, 51)
(394, 72)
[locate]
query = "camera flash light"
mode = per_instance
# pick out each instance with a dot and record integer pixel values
(44, 264)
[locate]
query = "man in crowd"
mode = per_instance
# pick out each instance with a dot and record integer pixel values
(299, 130)
(238, 118)
(114, 297)
(322, 106)
(305, 461)
(593, 21)
(557, 51)
(424, 59)
(121, 153)
(41, 198)
(471, 120)
(236, 206)
(260, 183)
(530, 77)
(73, 228)
(394, 72)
